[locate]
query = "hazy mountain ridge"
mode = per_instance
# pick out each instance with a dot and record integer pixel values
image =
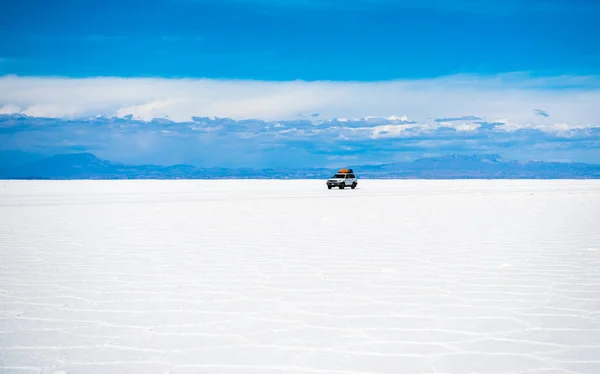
(88, 166)
(483, 166)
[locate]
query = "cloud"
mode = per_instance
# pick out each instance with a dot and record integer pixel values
(542, 113)
(206, 141)
(465, 118)
(271, 124)
(10, 109)
(510, 98)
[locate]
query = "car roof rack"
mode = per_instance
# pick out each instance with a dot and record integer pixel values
(345, 170)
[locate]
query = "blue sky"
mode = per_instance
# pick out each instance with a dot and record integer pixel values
(530, 67)
(299, 39)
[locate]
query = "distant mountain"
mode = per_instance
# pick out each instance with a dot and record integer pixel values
(88, 166)
(482, 166)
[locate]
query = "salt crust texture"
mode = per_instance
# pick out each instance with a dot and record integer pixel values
(288, 277)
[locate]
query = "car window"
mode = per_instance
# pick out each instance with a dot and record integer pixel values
(351, 176)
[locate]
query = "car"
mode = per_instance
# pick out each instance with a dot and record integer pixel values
(342, 179)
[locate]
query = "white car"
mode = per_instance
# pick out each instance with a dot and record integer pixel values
(342, 179)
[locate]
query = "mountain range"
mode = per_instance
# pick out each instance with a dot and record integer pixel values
(456, 166)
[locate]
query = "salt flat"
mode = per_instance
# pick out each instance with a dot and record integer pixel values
(289, 277)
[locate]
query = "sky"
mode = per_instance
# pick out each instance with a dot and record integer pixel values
(263, 83)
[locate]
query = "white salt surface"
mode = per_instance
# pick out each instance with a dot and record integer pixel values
(288, 277)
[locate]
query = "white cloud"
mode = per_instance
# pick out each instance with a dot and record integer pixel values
(512, 97)
(151, 110)
(460, 125)
(396, 118)
(559, 127)
(387, 131)
(9, 109)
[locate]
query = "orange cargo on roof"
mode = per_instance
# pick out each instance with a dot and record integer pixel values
(344, 171)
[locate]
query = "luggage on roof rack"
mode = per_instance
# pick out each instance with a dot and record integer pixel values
(344, 170)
